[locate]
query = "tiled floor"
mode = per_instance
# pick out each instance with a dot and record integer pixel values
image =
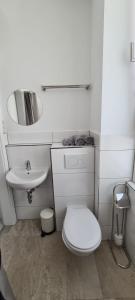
(43, 269)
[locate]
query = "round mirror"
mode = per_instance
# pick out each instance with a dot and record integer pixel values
(24, 107)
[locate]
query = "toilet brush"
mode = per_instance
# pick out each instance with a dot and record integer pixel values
(121, 203)
(118, 237)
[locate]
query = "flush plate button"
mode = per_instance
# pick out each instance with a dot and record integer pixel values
(76, 161)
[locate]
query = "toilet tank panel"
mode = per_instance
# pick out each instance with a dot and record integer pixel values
(73, 179)
(72, 160)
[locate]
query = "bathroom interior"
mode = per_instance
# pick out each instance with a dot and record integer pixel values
(67, 145)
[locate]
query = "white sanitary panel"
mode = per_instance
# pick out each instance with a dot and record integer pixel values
(73, 160)
(73, 179)
(73, 184)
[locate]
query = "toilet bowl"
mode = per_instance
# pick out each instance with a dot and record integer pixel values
(81, 232)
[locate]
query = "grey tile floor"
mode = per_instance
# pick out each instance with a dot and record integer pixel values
(43, 269)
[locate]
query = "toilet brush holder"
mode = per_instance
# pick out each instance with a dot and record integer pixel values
(121, 203)
(118, 239)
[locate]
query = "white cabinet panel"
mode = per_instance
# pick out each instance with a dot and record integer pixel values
(73, 184)
(60, 159)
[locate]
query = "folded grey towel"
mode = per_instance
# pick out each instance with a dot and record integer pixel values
(89, 140)
(79, 140)
(69, 142)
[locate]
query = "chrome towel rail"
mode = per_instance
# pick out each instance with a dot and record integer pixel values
(66, 86)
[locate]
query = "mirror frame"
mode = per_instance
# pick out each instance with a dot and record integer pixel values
(40, 107)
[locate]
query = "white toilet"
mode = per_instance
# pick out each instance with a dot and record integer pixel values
(81, 232)
(73, 180)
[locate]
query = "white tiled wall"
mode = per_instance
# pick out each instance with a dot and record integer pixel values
(39, 156)
(29, 137)
(58, 136)
(19, 150)
(46, 137)
(130, 228)
(114, 164)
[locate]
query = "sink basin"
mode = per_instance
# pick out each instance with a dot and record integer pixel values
(23, 180)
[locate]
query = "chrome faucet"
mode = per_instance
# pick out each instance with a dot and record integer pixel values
(28, 165)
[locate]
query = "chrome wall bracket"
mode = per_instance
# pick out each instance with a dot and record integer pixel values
(132, 52)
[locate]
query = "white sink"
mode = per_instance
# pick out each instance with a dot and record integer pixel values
(26, 180)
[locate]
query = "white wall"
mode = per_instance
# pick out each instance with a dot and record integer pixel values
(112, 73)
(47, 42)
(132, 65)
(7, 209)
(115, 153)
(55, 42)
(96, 64)
(8, 215)
(118, 106)
(130, 232)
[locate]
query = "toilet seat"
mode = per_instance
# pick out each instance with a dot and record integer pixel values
(80, 252)
(81, 232)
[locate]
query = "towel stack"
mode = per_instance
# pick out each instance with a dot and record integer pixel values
(79, 140)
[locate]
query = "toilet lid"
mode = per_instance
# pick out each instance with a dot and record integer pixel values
(81, 228)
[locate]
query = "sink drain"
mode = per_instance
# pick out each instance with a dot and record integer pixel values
(29, 195)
